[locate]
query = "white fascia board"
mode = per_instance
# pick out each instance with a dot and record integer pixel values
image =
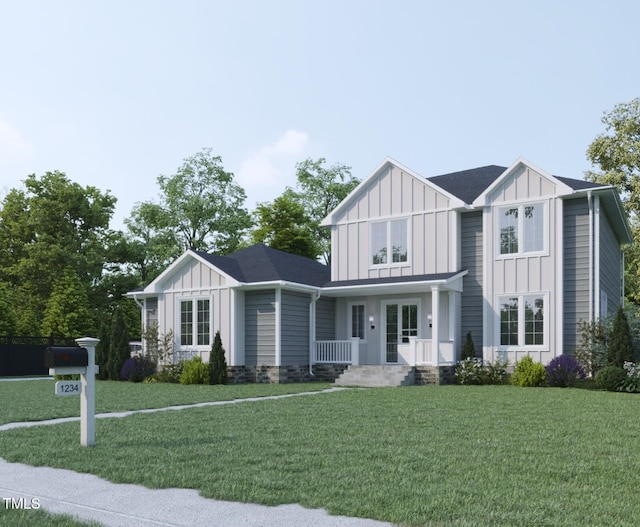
(388, 161)
(561, 188)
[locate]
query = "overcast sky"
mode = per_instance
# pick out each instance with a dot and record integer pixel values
(115, 93)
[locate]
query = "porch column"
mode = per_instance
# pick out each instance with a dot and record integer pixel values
(453, 322)
(435, 321)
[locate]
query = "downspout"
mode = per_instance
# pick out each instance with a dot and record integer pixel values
(590, 201)
(312, 328)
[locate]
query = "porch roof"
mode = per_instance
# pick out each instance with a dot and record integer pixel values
(395, 284)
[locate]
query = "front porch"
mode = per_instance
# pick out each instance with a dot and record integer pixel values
(415, 352)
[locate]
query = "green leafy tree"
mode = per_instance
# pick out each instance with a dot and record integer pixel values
(201, 207)
(102, 349)
(217, 362)
(8, 319)
(616, 154)
(319, 190)
(50, 225)
(67, 311)
(284, 225)
(620, 347)
(119, 350)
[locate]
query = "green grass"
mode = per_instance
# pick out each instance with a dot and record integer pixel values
(450, 456)
(29, 518)
(36, 401)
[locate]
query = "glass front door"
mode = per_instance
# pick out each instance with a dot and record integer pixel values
(401, 323)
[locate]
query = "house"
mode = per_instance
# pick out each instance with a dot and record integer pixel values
(513, 255)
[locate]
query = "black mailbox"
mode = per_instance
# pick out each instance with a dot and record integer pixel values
(65, 357)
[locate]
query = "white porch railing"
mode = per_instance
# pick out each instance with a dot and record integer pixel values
(422, 352)
(337, 351)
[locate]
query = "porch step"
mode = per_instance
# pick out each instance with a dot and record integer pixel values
(377, 376)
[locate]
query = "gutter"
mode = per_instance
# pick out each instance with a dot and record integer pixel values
(591, 248)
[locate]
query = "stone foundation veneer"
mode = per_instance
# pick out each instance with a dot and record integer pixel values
(326, 373)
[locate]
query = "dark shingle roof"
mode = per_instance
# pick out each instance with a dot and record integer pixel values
(260, 263)
(468, 184)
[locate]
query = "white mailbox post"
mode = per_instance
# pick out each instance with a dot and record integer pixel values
(82, 360)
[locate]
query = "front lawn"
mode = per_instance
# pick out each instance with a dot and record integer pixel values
(456, 455)
(36, 401)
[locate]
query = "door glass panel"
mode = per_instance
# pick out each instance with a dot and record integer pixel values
(392, 333)
(409, 322)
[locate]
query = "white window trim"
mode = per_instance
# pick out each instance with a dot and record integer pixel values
(521, 322)
(178, 337)
(365, 320)
(520, 206)
(390, 263)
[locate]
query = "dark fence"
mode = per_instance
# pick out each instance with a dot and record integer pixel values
(25, 355)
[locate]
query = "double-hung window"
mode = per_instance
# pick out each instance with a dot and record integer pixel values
(389, 242)
(522, 320)
(521, 229)
(195, 322)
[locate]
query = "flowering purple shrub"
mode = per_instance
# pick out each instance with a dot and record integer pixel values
(137, 369)
(564, 371)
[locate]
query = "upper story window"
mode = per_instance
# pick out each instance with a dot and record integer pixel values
(195, 322)
(521, 229)
(389, 242)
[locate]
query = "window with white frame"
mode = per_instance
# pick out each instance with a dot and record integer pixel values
(522, 320)
(195, 322)
(521, 229)
(389, 242)
(357, 321)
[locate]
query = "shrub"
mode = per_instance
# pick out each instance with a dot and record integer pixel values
(564, 371)
(529, 373)
(591, 354)
(496, 372)
(632, 381)
(610, 378)
(620, 348)
(195, 372)
(468, 349)
(169, 373)
(137, 369)
(217, 362)
(469, 371)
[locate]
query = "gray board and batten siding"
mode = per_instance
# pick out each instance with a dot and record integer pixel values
(260, 327)
(610, 265)
(294, 328)
(471, 259)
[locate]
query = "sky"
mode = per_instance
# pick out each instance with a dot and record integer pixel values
(116, 93)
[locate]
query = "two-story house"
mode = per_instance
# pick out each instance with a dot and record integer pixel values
(513, 255)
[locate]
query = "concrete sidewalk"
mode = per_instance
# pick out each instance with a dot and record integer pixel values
(89, 497)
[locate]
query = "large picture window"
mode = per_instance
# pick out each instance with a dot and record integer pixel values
(522, 320)
(389, 242)
(521, 229)
(195, 322)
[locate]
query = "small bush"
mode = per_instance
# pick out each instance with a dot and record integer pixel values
(169, 373)
(470, 371)
(632, 381)
(137, 369)
(195, 372)
(496, 372)
(529, 373)
(217, 362)
(468, 349)
(564, 371)
(610, 378)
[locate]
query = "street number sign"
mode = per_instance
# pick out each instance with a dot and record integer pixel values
(68, 388)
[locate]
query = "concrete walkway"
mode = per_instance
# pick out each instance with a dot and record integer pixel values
(88, 497)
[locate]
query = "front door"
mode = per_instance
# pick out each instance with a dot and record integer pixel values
(401, 322)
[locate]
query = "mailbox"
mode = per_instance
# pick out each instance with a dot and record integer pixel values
(66, 357)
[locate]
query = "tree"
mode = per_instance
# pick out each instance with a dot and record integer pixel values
(67, 311)
(283, 225)
(46, 228)
(217, 362)
(620, 347)
(8, 319)
(319, 190)
(200, 206)
(468, 349)
(617, 155)
(119, 350)
(102, 349)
